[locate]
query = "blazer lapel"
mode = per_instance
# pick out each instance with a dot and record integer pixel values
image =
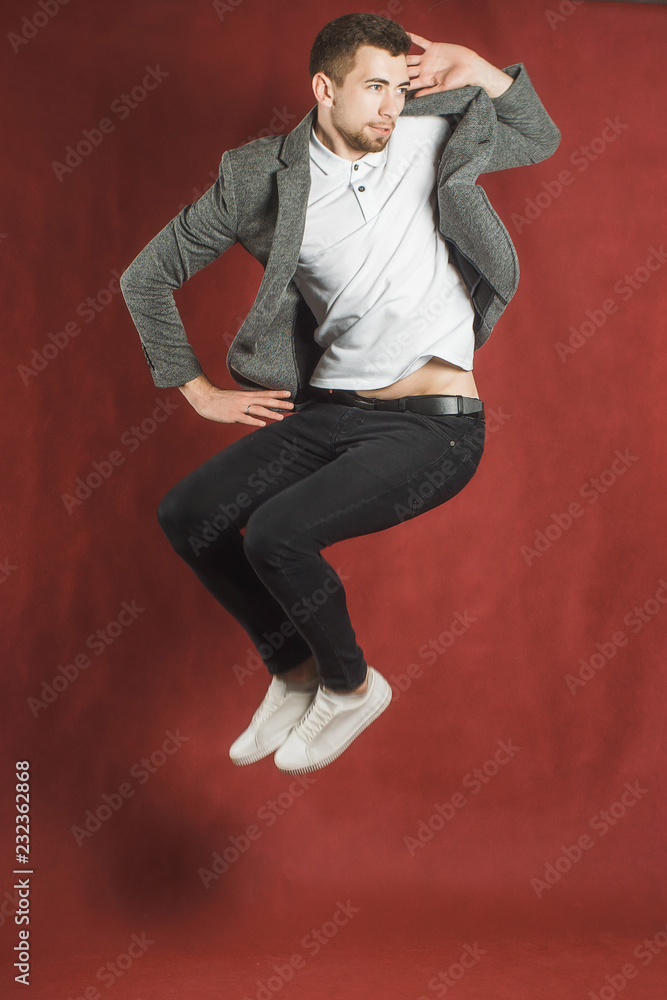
(293, 182)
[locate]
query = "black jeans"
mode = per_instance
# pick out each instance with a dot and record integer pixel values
(322, 474)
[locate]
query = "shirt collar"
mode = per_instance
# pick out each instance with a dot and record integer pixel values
(330, 163)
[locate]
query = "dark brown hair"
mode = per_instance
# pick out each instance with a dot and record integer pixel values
(335, 49)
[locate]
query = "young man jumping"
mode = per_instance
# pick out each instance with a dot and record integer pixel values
(385, 268)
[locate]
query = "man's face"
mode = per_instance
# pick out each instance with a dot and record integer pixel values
(365, 108)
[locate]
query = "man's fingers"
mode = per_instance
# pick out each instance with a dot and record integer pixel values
(268, 399)
(266, 405)
(267, 409)
(419, 40)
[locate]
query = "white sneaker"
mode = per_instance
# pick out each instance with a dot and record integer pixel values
(331, 723)
(283, 705)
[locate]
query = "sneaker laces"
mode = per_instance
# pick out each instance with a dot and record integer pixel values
(272, 701)
(314, 720)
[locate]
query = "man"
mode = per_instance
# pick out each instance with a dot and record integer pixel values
(385, 269)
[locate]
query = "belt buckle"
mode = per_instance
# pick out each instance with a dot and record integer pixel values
(362, 402)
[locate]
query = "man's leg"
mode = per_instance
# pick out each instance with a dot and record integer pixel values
(388, 467)
(357, 472)
(204, 515)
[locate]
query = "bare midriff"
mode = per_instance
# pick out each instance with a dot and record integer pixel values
(436, 377)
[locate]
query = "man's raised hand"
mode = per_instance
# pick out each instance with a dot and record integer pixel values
(442, 66)
(445, 66)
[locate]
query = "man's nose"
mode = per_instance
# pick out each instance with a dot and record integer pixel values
(389, 106)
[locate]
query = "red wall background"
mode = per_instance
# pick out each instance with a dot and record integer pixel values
(546, 595)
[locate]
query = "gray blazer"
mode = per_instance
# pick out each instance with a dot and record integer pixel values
(259, 200)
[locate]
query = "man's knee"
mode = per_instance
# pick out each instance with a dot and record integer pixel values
(263, 539)
(256, 538)
(170, 514)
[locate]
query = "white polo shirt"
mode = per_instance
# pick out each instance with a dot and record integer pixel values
(374, 268)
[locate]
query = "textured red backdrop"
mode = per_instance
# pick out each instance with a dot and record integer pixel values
(427, 859)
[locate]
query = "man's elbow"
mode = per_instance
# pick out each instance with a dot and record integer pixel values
(553, 140)
(546, 145)
(127, 281)
(133, 281)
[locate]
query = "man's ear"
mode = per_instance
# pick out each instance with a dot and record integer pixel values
(317, 81)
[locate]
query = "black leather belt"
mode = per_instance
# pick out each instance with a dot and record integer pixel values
(433, 404)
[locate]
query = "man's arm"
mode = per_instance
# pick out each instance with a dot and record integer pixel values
(198, 235)
(526, 134)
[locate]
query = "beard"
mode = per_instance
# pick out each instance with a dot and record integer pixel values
(359, 139)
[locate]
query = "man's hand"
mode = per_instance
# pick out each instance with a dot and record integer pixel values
(445, 66)
(228, 406)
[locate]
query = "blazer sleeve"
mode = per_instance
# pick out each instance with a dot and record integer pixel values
(525, 132)
(198, 235)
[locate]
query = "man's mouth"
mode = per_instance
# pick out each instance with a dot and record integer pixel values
(382, 129)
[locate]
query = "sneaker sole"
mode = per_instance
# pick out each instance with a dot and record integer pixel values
(337, 753)
(259, 754)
